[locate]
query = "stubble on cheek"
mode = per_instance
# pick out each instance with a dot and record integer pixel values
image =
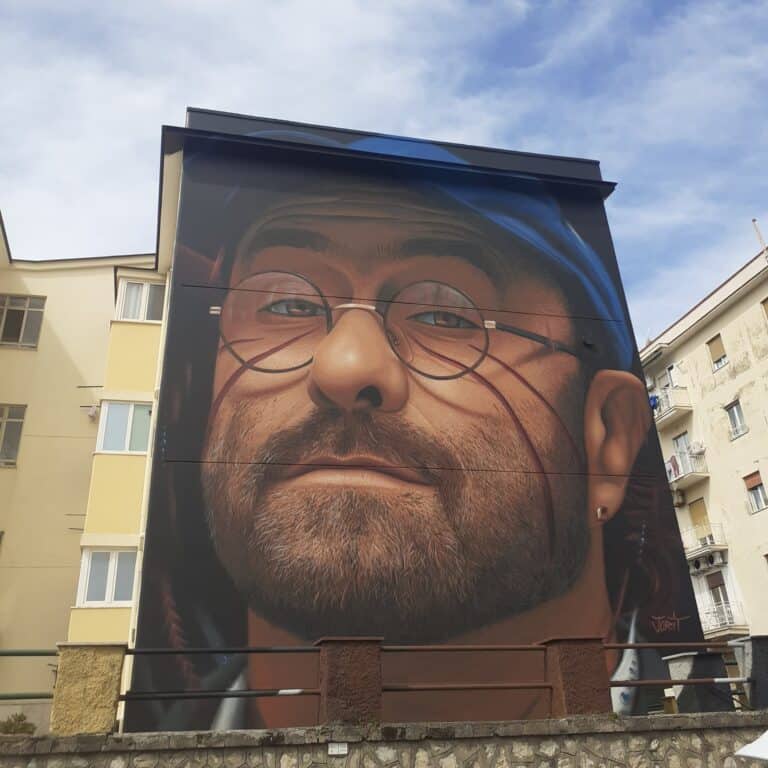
(409, 565)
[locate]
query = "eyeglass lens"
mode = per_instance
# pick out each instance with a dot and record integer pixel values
(274, 322)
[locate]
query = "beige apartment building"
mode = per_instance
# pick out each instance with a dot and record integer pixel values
(707, 377)
(62, 324)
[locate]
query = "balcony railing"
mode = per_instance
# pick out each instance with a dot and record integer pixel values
(703, 538)
(720, 616)
(683, 469)
(671, 403)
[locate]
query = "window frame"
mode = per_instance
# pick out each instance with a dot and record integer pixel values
(5, 306)
(752, 499)
(721, 361)
(143, 304)
(8, 463)
(109, 594)
(741, 428)
(104, 410)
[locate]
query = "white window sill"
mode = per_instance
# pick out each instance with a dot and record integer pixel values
(136, 322)
(16, 345)
(739, 434)
(8, 465)
(124, 604)
(102, 452)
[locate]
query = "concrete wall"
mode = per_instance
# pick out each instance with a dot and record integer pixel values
(736, 312)
(706, 741)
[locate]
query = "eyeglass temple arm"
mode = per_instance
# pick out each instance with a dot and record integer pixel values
(532, 336)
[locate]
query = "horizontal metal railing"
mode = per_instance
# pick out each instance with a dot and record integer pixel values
(26, 653)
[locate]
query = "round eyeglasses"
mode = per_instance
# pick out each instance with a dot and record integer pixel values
(273, 322)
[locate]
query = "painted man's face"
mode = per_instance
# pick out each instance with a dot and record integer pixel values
(354, 481)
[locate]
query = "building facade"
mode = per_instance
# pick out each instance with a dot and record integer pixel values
(58, 329)
(707, 378)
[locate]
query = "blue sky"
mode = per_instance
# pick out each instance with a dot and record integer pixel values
(672, 98)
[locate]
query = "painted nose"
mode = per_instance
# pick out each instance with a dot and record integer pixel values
(355, 369)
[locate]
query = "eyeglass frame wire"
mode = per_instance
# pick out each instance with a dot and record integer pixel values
(552, 344)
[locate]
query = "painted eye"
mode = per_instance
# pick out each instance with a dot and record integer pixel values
(443, 320)
(295, 308)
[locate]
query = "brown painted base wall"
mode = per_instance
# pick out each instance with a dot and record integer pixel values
(676, 741)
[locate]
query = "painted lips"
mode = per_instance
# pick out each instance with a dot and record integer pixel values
(353, 470)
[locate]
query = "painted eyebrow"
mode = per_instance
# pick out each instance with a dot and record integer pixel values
(473, 253)
(293, 237)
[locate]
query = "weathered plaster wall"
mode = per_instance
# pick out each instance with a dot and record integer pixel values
(705, 741)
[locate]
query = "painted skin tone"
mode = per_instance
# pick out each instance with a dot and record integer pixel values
(351, 524)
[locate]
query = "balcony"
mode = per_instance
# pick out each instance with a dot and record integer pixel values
(722, 619)
(671, 405)
(703, 540)
(684, 470)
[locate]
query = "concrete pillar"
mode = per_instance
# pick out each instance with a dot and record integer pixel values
(85, 696)
(350, 680)
(577, 670)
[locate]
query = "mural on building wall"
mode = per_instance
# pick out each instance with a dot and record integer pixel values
(399, 401)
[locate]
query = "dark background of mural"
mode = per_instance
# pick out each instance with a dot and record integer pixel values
(187, 599)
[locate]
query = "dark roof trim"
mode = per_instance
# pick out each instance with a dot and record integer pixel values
(174, 138)
(197, 111)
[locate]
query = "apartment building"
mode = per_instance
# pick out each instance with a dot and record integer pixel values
(707, 378)
(80, 345)
(56, 327)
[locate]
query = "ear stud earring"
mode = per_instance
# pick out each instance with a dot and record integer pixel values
(601, 512)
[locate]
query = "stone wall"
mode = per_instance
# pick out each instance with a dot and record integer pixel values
(673, 741)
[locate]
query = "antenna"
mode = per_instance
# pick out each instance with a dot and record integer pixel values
(760, 238)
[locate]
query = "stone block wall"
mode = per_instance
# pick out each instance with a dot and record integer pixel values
(673, 741)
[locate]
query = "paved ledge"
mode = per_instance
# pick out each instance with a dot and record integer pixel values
(580, 728)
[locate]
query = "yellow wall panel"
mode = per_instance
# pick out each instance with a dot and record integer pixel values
(132, 356)
(117, 485)
(99, 625)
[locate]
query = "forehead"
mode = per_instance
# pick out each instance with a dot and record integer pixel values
(365, 231)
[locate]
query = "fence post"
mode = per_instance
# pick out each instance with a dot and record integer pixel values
(350, 679)
(577, 669)
(85, 696)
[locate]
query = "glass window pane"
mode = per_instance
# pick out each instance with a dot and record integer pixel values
(116, 427)
(126, 564)
(132, 301)
(155, 303)
(12, 327)
(140, 428)
(32, 328)
(97, 577)
(36, 302)
(16, 411)
(9, 449)
(17, 301)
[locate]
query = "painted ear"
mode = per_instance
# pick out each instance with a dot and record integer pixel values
(616, 423)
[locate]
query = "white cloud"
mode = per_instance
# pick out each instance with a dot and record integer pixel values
(672, 105)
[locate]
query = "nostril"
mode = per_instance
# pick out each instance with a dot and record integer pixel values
(369, 396)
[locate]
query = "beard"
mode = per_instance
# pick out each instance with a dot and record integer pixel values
(407, 566)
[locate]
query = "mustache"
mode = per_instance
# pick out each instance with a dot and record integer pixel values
(389, 438)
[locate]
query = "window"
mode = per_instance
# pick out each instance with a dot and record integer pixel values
(106, 577)
(717, 352)
(20, 320)
(758, 499)
(700, 522)
(736, 419)
(141, 301)
(124, 427)
(11, 420)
